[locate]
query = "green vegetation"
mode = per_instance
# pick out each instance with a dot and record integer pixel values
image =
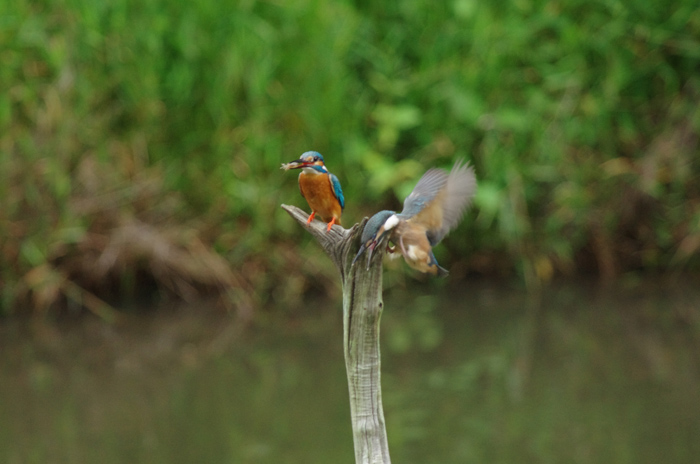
(140, 141)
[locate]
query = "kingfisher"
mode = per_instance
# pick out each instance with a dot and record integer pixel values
(434, 207)
(319, 187)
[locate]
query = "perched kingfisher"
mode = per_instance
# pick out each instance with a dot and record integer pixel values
(319, 187)
(430, 212)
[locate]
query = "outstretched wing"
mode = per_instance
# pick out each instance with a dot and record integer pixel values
(337, 191)
(458, 194)
(425, 192)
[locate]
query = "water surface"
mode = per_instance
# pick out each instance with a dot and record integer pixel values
(485, 374)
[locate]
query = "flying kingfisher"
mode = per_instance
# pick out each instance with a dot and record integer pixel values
(430, 212)
(319, 187)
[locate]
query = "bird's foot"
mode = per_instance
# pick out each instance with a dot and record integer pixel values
(311, 217)
(330, 224)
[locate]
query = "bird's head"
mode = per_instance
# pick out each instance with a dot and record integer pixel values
(374, 232)
(311, 161)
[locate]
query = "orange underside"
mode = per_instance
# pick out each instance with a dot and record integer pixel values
(318, 193)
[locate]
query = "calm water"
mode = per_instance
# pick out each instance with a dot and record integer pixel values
(486, 375)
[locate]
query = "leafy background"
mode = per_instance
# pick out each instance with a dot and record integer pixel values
(140, 142)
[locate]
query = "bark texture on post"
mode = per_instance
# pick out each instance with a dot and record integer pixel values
(362, 310)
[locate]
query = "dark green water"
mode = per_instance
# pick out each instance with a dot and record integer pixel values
(487, 375)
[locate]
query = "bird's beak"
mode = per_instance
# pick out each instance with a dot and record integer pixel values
(374, 243)
(362, 249)
(371, 247)
(296, 164)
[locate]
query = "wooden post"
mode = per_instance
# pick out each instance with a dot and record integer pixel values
(362, 310)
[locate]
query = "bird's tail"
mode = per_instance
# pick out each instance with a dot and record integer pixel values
(439, 270)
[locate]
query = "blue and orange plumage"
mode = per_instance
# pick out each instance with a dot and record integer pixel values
(319, 187)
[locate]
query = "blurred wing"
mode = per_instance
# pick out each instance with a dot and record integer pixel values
(458, 194)
(337, 191)
(425, 192)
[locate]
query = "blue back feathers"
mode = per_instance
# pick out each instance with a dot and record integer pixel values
(337, 191)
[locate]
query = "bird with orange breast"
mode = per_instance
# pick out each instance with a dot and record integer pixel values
(319, 187)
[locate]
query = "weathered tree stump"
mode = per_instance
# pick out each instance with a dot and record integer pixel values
(362, 310)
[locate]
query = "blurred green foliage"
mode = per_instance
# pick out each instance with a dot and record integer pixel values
(582, 120)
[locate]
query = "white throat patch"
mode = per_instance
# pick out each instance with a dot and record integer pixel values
(392, 222)
(310, 171)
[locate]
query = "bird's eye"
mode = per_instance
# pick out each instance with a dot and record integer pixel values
(316, 158)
